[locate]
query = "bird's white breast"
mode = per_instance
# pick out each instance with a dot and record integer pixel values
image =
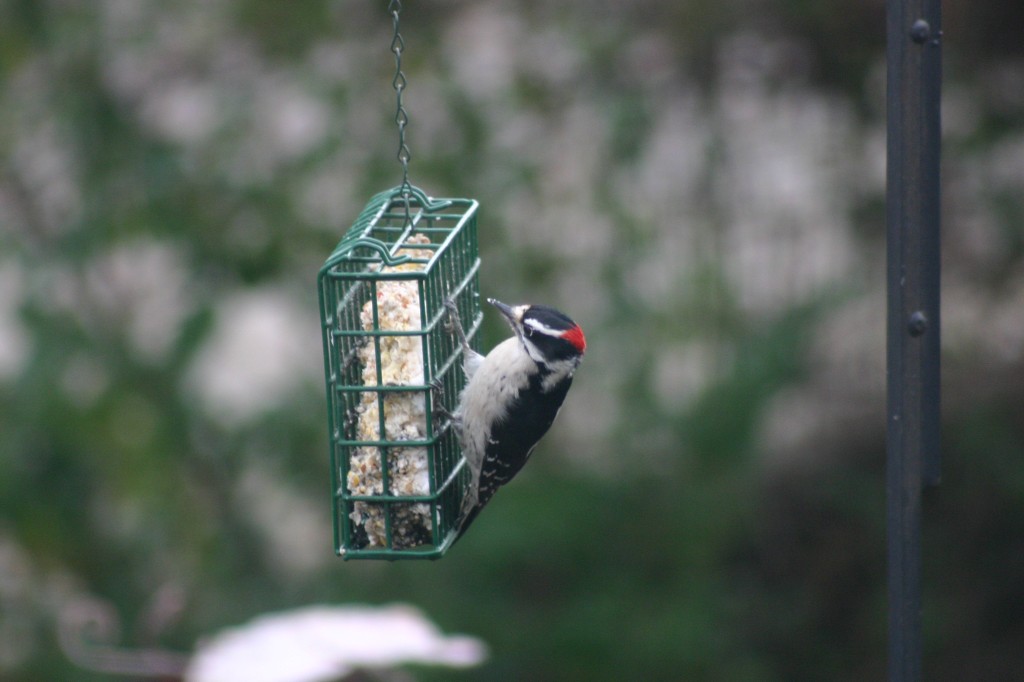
(502, 374)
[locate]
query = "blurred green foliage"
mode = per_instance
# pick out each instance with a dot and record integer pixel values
(710, 505)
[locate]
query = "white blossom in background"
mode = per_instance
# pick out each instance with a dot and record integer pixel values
(265, 346)
(324, 643)
(292, 524)
(14, 339)
(141, 287)
(185, 112)
(784, 185)
(137, 290)
(41, 160)
(492, 36)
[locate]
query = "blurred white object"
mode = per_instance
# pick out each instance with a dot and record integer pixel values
(322, 643)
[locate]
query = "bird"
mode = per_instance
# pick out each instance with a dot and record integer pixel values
(511, 396)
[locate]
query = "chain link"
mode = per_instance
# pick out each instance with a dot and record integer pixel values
(401, 117)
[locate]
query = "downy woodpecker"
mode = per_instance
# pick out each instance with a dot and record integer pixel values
(512, 396)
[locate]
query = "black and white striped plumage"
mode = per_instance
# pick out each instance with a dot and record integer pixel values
(512, 397)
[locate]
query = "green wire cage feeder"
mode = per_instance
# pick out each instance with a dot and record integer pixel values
(397, 471)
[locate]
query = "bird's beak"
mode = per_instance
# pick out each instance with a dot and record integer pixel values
(513, 315)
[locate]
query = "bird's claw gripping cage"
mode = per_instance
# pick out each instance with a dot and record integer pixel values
(393, 370)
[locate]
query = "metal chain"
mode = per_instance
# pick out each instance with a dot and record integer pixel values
(401, 117)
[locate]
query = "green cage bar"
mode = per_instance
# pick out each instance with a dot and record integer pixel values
(397, 471)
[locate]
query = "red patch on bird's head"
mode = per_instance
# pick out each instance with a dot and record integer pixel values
(576, 338)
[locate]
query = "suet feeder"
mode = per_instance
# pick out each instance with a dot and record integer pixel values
(397, 471)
